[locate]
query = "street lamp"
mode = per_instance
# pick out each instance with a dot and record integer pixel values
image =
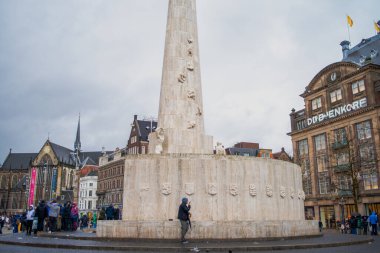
(151, 128)
(341, 203)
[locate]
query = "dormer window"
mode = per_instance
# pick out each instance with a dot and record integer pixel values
(374, 53)
(336, 95)
(316, 103)
(358, 87)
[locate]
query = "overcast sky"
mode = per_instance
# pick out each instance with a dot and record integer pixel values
(103, 59)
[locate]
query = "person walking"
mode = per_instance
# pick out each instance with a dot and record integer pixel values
(184, 218)
(373, 221)
(29, 220)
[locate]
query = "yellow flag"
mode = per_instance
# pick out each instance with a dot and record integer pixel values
(377, 27)
(350, 21)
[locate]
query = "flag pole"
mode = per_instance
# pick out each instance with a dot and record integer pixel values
(348, 29)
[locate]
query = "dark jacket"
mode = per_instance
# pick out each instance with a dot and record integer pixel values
(110, 211)
(183, 212)
(41, 211)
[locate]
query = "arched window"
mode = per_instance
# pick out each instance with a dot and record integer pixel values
(63, 178)
(3, 183)
(71, 179)
(14, 181)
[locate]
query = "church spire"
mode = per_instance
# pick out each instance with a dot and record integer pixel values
(77, 144)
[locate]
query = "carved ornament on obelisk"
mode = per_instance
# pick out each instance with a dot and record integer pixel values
(180, 118)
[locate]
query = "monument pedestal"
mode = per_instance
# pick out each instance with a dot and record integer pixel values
(207, 229)
(232, 197)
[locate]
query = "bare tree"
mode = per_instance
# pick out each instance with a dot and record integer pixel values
(353, 161)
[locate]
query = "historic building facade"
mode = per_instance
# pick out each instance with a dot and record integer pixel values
(111, 179)
(138, 140)
(87, 192)
(336, 136)
(14, 182)
(26, 178)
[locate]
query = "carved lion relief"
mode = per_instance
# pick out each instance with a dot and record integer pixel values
(282, 192)
(166, 188)
(252, 190)
(234, 189)
(212, 189)
(269, 190)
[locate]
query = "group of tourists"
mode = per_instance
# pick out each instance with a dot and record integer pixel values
(51, 217)
(359, 225)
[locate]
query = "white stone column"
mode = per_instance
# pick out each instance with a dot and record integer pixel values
(181, 107)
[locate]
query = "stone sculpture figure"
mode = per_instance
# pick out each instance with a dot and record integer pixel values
(220, 149)
(159, 140)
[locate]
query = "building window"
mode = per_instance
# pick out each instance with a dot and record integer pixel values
(91, 184)
(345, 182)
(316, 103)
(342, 158)
(370, 179)
(324, 183)
(358, 87)
(321, 162)
(3, 182)
(340, 135)
(366, 153)
(336, 95)
(90, 205)
(303, 148)
(363, 130)
(14, 181)
(90, 193)
(133, 139)
(320, 142)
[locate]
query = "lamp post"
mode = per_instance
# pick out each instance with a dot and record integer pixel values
(151, 128)
(341, 203)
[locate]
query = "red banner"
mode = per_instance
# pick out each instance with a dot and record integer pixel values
(32, 186)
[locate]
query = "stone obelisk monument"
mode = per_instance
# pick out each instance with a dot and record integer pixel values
(232, 197)
(180, 117)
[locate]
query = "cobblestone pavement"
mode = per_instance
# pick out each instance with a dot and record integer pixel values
(57, 244)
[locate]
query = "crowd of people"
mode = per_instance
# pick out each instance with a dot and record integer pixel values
(360, 225)
(51, 217)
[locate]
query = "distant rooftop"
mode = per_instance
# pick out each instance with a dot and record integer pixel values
(367, 51)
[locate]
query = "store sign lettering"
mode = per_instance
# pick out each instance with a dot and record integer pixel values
(337, 111)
